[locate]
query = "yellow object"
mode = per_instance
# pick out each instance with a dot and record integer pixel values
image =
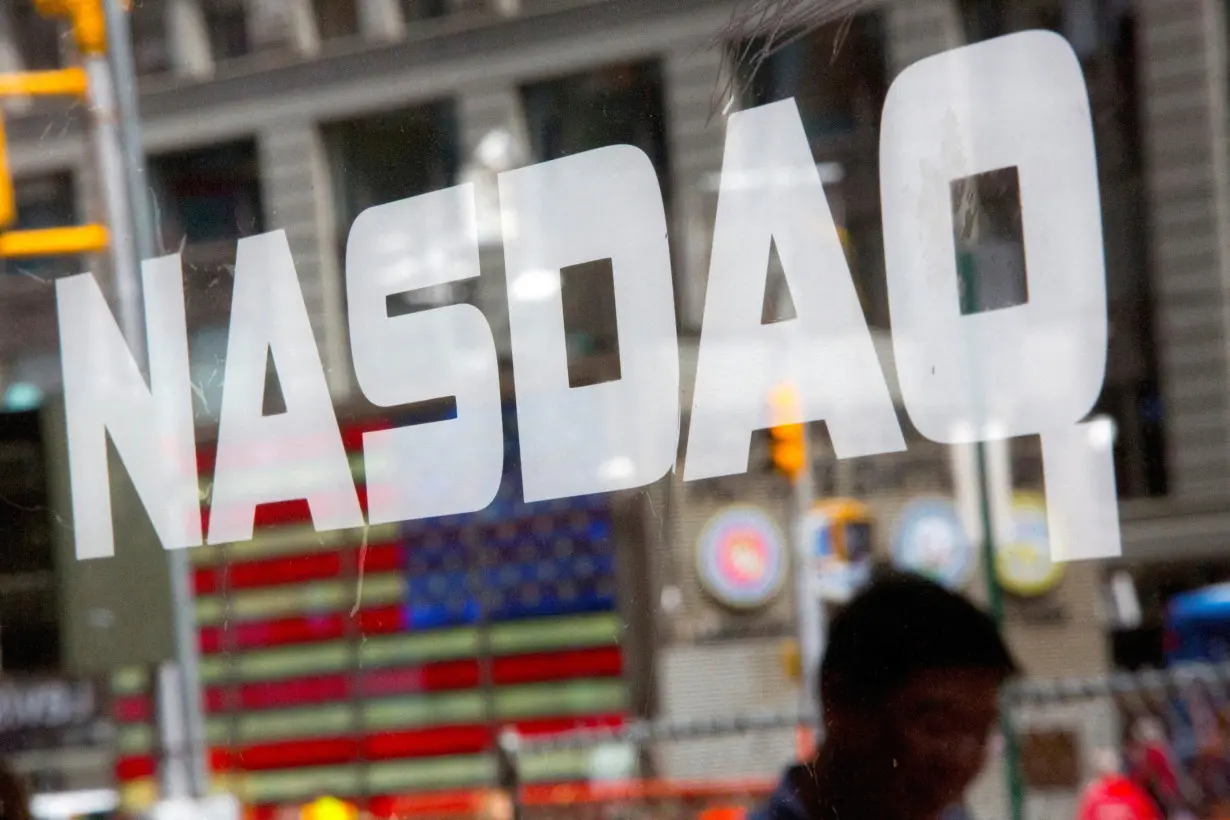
(63, 82)
(850, 523)
(8, 202)
(792, 660)
(54, 241)
(86, 18)
(1024, 566)
(789, 449)
(329, 808)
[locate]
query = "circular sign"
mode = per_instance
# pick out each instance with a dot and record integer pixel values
(838, 533)
(1024, 565)
(741, 558)
(931, 541)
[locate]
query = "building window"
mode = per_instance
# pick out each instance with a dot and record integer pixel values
(46, 201)
(618, 104)
(1103, 35)
(336, 18)
(38, 37)
(149, 36)
(414, 10)
(837, 75)
(226, 21)
(390, 156)
(206, 200)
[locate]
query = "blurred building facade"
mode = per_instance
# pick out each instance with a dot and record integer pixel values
(297, 115)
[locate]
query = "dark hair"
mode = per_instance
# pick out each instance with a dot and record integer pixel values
(897, 626)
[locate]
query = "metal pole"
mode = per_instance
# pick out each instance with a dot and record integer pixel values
(109, 156)
(138, 213)
(995, 593)
(809, 610)
(119, 46)
(508, 751)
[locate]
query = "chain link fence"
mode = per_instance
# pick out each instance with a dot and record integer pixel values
(1168, 730)
(645, 797)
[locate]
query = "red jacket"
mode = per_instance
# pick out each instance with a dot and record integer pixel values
(1115, 797)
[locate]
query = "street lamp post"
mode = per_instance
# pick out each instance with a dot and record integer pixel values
(136, 213)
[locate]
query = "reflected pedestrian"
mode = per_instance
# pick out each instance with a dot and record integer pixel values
(910, 682)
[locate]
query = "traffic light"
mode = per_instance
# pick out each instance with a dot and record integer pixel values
(788, 445)
(87, 20)
(8, 203)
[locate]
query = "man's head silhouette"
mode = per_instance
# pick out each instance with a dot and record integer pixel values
(909, 686)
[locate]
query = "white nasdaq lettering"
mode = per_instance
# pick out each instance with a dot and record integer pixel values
(826, 352)
(1016, 101)
(442, 467)
(151, 426)
(269, 320)
(602, 204)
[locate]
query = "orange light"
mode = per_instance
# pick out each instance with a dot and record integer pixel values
(789, 450)
(8, 202)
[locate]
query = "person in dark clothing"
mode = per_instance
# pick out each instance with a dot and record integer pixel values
(910, 680)
(14, 798)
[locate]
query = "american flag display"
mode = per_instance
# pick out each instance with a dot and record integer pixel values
(323, 679)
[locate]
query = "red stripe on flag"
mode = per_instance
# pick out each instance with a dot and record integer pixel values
(132, 709)
(275, 571)
(603, 662)
(205, 580)
(216, 699)
(382, 620)
(294, 511)
(135, 767)
(541, 667)
(379, 620)
(298, 692)
(390, 557)
(431, 677)
(448, 740)
(262, 634)
(295, 753)
(424, 804)
(434, 742)
(554, 726)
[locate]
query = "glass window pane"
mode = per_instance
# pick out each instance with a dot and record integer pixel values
(150, 44)
(44, 201)
(226, 22)
(336, 18)
(414, 10)
(391, 156)
(38, 38)
(206, 199)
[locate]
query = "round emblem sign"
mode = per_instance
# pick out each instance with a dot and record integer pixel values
(741, 558)
(930, 540)
(1024, 565)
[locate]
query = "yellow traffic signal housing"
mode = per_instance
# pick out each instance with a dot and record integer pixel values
(8, 202)
(788, 445)
(87, 20)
